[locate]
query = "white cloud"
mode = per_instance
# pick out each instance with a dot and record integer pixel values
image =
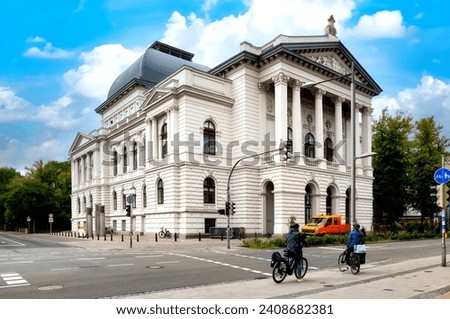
(48, 52)
(382, 24)
(214, 41)
(100, 67)
(36, 39)
(431, 97)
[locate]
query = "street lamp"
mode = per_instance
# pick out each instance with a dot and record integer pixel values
(353, 186)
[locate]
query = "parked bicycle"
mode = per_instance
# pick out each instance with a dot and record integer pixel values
(164, 232)
(287, 265)
(356, 259)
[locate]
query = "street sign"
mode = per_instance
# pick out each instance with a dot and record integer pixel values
(442, 175)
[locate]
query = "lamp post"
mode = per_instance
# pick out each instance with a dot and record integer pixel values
(353, 185)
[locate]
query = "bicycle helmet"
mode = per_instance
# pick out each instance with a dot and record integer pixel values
(356, 226)
(295, 226)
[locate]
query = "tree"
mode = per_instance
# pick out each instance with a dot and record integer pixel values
(6, 175)
(426, 157)
(391, 187)
(44, 190)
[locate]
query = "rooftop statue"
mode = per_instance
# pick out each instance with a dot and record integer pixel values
(330, 29)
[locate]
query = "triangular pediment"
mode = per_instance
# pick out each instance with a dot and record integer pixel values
(80, 141)
(156, 94)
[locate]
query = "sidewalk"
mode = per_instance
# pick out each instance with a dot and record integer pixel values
(422, 278)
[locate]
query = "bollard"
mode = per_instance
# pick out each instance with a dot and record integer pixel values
(122, 237)
(98, 236)
(221, 236)
(92, 236)
(156, 237)
(199, 237)
(137, 238)
(175, 236)
(111, 237)
(131, 241)
(105, 237)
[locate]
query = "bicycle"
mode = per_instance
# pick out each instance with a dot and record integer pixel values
(355, 262)
(164, 232)
(286, 264)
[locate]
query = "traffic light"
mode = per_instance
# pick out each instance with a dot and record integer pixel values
(442, 195)
(233, 208)
(128, 209)
(227, 208)
(221, 211)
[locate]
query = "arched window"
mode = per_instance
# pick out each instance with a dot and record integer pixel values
(91, 201)
(308, 204)
(125, 159)
(115, 200)
(144, 196)
(328, 150)
(209, 191)
(164, 140)
(209, 138)
(135, 156)
(328, 201)
(124, 201)
(142, 156)
(115, 162)
(160, 191)
(310, 150)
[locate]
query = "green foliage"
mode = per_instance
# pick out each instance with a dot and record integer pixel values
(44, 190)
(408, 154)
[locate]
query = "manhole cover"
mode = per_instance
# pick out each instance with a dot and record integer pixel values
(155, 267)
(52, 287)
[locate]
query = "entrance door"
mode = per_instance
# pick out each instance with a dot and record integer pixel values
(269, 207)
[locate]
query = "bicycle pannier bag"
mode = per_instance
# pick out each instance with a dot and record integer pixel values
(276, 256)
(359, 249)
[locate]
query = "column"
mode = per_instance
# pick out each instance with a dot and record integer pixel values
(154, 149)
(83, 165)
(297, 127)
(318, 122)
(263, 89)
(367, 135)
(338, 137)
(281, 84)
(148, 138)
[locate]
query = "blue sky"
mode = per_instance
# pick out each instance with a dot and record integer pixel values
(59, 58)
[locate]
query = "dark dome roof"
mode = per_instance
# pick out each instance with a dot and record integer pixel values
(159, 61)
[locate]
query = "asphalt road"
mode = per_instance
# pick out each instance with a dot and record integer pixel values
(51, 268)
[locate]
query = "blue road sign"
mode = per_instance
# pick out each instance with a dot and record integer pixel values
(442, 175)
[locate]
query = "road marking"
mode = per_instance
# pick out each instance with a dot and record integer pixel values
(61, 269)
(148, 256)
(168, 262)
(221, 263)
(120, 265)
(17, 262)
(13, 280)
(91, 258)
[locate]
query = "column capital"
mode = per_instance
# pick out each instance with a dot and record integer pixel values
(367, 110)
(297, 84)
(339, 100)
(319, 93)
(281, 78)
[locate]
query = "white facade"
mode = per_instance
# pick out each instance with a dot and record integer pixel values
(153, 134)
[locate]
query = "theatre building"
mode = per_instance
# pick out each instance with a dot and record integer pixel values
(171, 130)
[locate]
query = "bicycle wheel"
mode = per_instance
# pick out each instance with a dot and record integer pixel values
(354, 263)
(161, 234)
(341, 262)
(280, 271)
(301, 268)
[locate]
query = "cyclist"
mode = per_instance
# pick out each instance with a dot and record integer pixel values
(295, 242)
(354, 238)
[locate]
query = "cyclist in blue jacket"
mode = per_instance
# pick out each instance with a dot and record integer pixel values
(354, 238)
(295, 242)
